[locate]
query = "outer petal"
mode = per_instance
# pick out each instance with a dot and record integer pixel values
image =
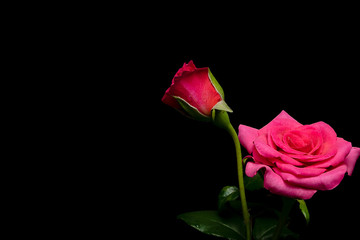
(351, 159)
(169, 100)
(247, 135)
(262, 160)
(275, 184)
(325, 181)
(300, 171)
(281, 120)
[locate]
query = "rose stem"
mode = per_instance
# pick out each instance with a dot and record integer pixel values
(245, 211)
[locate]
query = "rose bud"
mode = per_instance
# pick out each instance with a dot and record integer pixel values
(195, 93)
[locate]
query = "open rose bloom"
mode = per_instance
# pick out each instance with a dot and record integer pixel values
(298, 159)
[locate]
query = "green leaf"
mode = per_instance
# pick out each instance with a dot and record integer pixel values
(210, 222)
(304, 210)
(264, 229)
(254, 183)
(227, 194)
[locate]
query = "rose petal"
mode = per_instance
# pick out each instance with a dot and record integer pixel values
(351, 159)
(169, 100)
(260, 159)
(343, 148)
(266, 151)
(327, 149)
(301, 172)
(247, 136)
(329, 139)
(187, 67)
(281, 120)
(277, 135)
(306, 139)
(275, 184)
(325, 181)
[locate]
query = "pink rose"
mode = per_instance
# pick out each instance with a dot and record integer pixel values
(195, 93)
(298, 159)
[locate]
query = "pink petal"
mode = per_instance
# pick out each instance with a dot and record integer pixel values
(351, 159)
(325, 181)
(329, 139)
(281, 120)
(322, 158)
(277, 135)
(301, 172)
(275, 184)
(247, 136)
(343, 149)
(306, 139)
(266, 151)
(260, 159)
(324, 148)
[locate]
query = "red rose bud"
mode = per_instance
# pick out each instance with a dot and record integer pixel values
(195, 93)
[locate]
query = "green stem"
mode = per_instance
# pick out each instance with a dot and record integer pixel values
(287, 205)
(245, 211)
(221, 119)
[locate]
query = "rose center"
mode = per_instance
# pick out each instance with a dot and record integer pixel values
(300, 141)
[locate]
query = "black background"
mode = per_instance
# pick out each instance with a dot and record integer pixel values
(139, 163)
(118, 163)
(305, 64)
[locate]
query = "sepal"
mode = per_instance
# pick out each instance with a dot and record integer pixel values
(191, 111)
(222, 106)
(304, 210)
(216, 84)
